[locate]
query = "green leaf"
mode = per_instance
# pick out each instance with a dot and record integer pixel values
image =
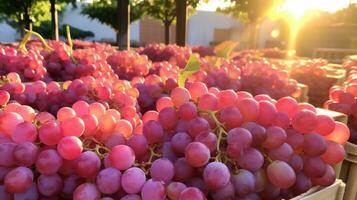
(225, 49)
(193, 65)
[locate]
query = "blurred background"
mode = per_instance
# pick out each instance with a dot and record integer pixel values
(307, 26)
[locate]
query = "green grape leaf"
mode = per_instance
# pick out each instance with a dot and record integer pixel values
(225, 48)
(193, 65)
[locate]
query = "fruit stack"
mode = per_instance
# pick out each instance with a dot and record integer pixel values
(79, 131)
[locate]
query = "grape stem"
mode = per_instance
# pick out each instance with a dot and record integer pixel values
(219, 129)
(145, 165)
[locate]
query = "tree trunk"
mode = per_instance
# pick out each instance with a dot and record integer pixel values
(167, 32)
(181, 17)
(123, 14)
(54, 20)
(27, 20)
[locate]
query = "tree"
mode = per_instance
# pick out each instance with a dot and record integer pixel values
(56, 5)
(251, 12)
(25, 12)
(165, 11)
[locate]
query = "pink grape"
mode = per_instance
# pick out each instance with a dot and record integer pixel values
(304, 121)
(25, 154)
(179, 142)
(249, 108)
(96, 109)
(87, 165)
(276, 136)
(179, 96)
(287, 105)
(65, 113)
(90, 124)
(251, 159)
(258, 133)
(162, 169)
(72, 127)
(164, 102)
(327, 179)
(50, 133)
(139, 145)
(8, 121)
(124, 127)
(325, 125)
(240, 137)
(197, 126)
(340, 134)
(70, 147)
(314, 144)
(168, 118)
(174, 190)
(108, 180)
(230, 117)
(197, 89)
(209, 139)
(216, 175)
(334, 153)
(283, 153)
(187, 111)
(121, 157)
(191, 193)
(4, 97)
(226, 98)
(86, 191)
(7, 154)
(197, 154)
(49, 185)
(314, 167)
(274, 171)
(243, 182)
(267, 112)
(18, 180)
(208, 101)
(133, 180)
(48, 162)
(153, 190)
(153, 132)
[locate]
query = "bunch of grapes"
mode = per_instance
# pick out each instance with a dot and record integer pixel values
(128, 64)
(29, 64)
(172, 53)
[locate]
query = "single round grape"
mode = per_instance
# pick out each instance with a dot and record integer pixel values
(164, 102)
(4, 97)
(243, 182)
(327, 179)
(139, 144)
(187, 111)
(25, 154)
(267, 112)
(197, 154)
(275, 171)
(87, 164)
(24, 132)
(97, 109)
(226, 98)
(249, 108)
(7, 154)
(258, 133)
(174, 190)
(72, 127)
(18, 180)
(121, 157)
(302, 184)
(240, 137)
(282, 120)
(314, 144)
(179, 96)
(150, 115)
(340, 134)
(8, 121)
(114, 139)
(179, 142)
(70, 183)
(227, 192)
(314, 167)
(183, 171)
(70, 147)
(124, 127)
(261, 180)
(216, 175)
(197, 126)
(209, 139)
(208, 101)
(287, 105)
(168, 118)
(108, 180)
(65, 113)
(133, 180)
(276, 136)
(86, 191)
(90, 124)
(197, 89)
(153, 132)
(153, 190)
(325, 125)
(30, 194)
(50, 133)
(334, 153)
(48, 162)
(296, 162)
(49, 185)
(230, 117)
(295, 139)
(283, 153)
(191, 193)
(251, 160)
(81, 108)
(107, 123)
(162, 170)
(304, 121)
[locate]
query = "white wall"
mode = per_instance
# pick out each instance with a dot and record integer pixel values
(202, 24)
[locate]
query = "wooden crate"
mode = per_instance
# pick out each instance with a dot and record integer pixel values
(349, 171)
(332, 192)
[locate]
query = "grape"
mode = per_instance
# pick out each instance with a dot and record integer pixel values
(150, 115)
(124, 127)
(48, 162)
(70, 147)
(8, 121)
(50, 133)
(133, 180)
(87, 165)
(139, 145)
(162, 170)
(96, 109)
(18, 180)
(153, 190)
(65, 113)
(197, 126)
(208, 101)
(282, 120)
(240, 137)
(174, 190)
(187, 111)
(209, 139)
(167, 151)
(153, 132)
(168, 118)
(226, 98)
(106, 123)
(261, 180)
(69, 185)
(26, 112)
(179, 96)
(325, 125)
(249, 108)
(179, 142)
(72, 127)
(25, 154)
(267, 112)
(227, 192)
(183, 171)
(191, 193)
(287, 105)
(114, 139)
(230, 117)
(276, 169)
(44, 117)
(4, 97)
(164, 102)
(129, 197)
(49, 185)
(296, 162)
(314, 167)
(314, 144)
(197, 154)
(295, 139)
(23, 132)
(30, 194)
(243, 182)
(108, 180)
(251, 160)
(327, 179)
(121, 157)
(276, 136)
(216, 175)
(334, 153)
(81, 108)
(270, 192)
(197, 89)
(6, 152)
(302, 184)
(258, 133)
(90, 124)
(306, 106)
(283, 153)
(340, 134)
(304, 121)
(86, 191)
